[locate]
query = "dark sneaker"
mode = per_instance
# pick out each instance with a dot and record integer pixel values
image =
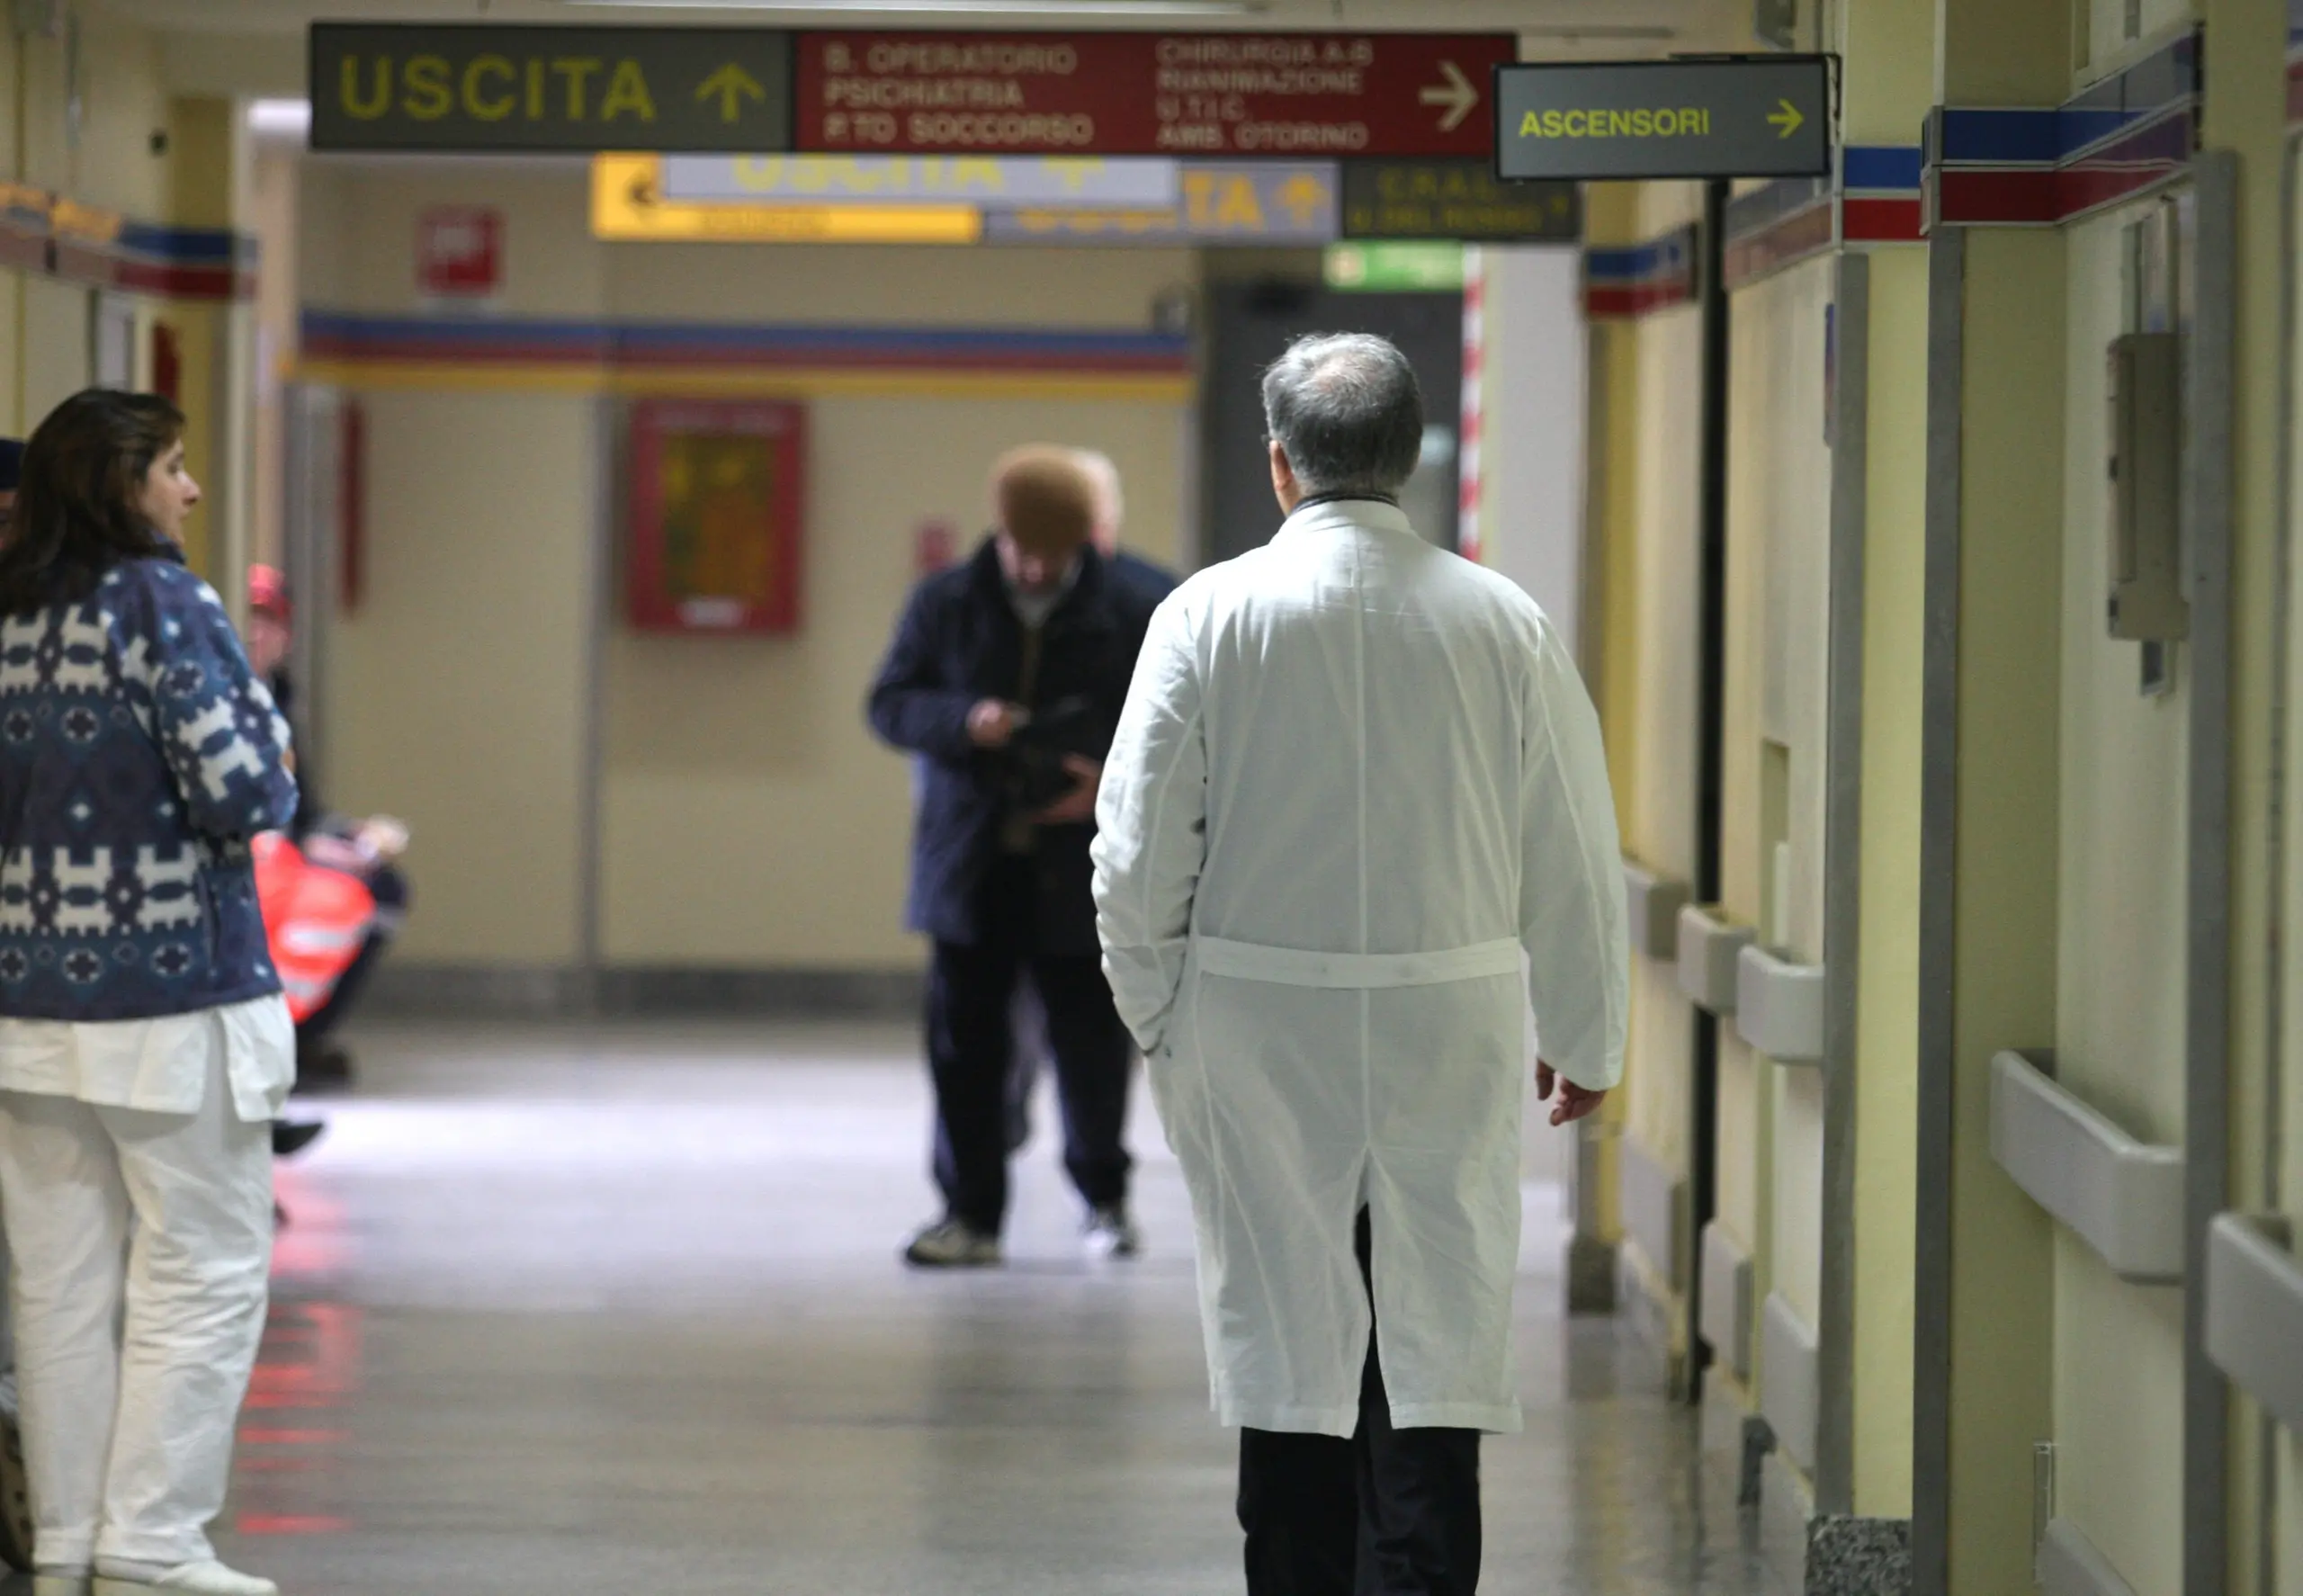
(291, 1136)
(15, 1486)
(952, 1245)
(1111, 1234)
(322, 1067)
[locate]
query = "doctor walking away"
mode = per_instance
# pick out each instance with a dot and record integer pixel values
(145, 1049)
(1356, 800)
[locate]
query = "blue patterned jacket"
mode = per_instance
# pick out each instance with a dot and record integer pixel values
(138, 754)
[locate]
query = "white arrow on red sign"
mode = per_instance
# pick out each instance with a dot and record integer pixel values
(1457, 94)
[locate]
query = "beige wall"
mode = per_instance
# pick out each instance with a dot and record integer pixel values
(1662, 575)
(749, 818)
(455, 698)
(2120, 984)
(1778, 540)
(1888, 995)
(1661, 810)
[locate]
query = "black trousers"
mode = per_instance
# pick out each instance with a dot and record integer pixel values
(1389, 1512)
(971, 1050)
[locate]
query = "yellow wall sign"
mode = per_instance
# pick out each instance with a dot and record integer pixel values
(628, 204)
(442, 87)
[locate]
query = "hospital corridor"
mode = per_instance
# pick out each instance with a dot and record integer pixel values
(614, 1309)
(1151, 797)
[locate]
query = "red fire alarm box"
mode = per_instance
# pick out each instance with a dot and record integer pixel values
(459, 252)
(716, 503)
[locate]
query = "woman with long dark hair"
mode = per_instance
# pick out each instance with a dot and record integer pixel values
(143, 1046)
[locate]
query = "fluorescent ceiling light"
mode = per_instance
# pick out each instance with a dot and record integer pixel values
(280, 119)
(976, 8)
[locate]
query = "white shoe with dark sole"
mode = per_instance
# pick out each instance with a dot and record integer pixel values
(952, 1245)
(208, 1577)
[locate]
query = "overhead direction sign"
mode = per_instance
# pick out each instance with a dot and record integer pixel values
(630, 204)
(904, 179)
(869, 199)
(1270, 202)
(1297, 97)
(1767, 116)
(1459, 199)
(481, 88)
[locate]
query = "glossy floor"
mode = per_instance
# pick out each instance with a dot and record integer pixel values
(617, 1310)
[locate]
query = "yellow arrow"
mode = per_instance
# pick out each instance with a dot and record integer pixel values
(734, 86)
(1787, 117)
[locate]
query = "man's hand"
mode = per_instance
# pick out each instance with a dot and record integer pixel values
(1574, 1101)
(1080, 804)
(339, 852)
(383, 836)
(991, 723)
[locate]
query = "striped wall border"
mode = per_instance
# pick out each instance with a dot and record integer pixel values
(1874, 200)
(655, 356)
(1620, 282)
(2294, 62)
(42, 231)
(2019, 167)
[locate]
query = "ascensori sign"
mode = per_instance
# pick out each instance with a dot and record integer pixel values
(1768, 116)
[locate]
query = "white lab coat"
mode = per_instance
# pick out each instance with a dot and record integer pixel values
(1356, 797)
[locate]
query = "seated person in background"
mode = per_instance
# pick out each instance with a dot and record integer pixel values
(368, 848)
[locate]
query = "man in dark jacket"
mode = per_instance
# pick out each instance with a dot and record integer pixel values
(1137, 585)
(1007, 674)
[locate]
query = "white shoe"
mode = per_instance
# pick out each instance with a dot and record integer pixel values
(117, 1576)
(1111, 1234)
(60, 1581)
(952, 1245)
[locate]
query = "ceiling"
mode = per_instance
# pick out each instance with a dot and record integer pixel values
(255, 49)
(1565, 27)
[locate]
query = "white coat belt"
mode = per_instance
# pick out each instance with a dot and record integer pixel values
(1295, 966)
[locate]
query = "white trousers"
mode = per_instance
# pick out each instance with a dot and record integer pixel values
(142, 1248)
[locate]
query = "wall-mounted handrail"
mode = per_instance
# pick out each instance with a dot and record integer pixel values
(1787, 1375)
(1726, 1319)
(2067, 1564)
(1653, 1207)
(1651, 902)
(1779, 1005)
(2123, 1197)
(2255, 1311)
(1708, 944)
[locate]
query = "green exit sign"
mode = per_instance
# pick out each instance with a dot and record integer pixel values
(1425, 266)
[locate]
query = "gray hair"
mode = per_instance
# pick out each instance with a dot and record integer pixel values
(1346, 408)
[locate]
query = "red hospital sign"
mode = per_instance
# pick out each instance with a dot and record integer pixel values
(1292, 96)
(459, 252)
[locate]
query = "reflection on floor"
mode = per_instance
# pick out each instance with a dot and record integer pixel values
(612, 1310)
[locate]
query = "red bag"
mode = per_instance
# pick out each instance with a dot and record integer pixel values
(315, 921)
